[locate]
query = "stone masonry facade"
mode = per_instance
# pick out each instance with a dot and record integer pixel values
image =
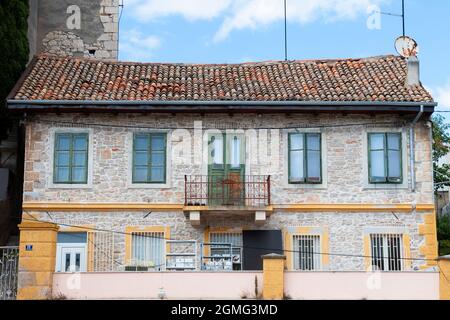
(344, 157)
(77, 28)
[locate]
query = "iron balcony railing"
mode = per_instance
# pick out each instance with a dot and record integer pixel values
(231, 190)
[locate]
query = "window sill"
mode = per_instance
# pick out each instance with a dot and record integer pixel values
(386, 186)
(149, 186)
(69, 186)
(318, 186)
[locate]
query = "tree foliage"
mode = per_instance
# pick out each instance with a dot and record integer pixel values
(441, 147)
(14, 49)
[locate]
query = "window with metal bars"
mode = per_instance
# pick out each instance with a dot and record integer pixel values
(306, 252)
(386, 251)
(235, 239)
(148, 250)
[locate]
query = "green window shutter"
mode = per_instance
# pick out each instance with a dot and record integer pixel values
(394, 157)
(305, 158)
(385, 158)
(149, 158)
(71, 158)
(313, 158)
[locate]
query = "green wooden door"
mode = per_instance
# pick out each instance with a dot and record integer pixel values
(226, 169)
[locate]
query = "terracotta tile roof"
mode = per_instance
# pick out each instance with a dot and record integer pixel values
(372, 79)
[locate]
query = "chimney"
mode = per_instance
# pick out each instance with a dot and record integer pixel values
(413, 71)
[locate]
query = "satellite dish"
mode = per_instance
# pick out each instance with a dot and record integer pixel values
(406, 46)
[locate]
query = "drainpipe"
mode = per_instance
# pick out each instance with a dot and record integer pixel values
(412, 149)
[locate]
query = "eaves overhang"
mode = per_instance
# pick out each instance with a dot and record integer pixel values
(218, 106)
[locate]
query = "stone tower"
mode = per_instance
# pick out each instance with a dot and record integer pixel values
(87, 28)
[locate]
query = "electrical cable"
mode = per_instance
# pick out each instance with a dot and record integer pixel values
(194, 128)
(243, 247)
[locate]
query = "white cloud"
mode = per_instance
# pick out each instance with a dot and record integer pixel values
(147, 10)
(442, 95)
(244, 14)
(137, 47)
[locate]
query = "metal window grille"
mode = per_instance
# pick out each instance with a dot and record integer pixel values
(306, 252)
(235, 239)
(386, 251)
(148, 250)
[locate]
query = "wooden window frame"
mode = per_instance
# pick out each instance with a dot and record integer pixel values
(387, 179)
(71, 151)
(306, 179)
(149, 153)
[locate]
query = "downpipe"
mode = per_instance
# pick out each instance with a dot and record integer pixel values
(412, 149)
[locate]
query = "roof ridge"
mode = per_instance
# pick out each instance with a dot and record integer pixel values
(247, 63)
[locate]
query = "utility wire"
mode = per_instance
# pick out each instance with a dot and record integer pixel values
(237, 246)
(87, 124)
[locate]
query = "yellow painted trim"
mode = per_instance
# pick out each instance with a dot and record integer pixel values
(425, 207)
(444, 276)
(345, 207)
(407, 252)
(128, 237)
(324, 244)
(67, 206)
(367, 252)
(430, 247)
(303, 207)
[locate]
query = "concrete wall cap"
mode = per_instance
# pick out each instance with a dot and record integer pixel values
(447, 257)
(274, 256)
(31, 225)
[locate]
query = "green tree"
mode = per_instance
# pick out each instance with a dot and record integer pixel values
(441, 147)
(14, 50)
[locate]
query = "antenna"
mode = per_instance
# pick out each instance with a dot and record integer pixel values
(402, 15)
(285, 33)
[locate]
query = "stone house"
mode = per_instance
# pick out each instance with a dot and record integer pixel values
(165, 167)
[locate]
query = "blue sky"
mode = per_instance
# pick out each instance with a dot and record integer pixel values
(232, 31)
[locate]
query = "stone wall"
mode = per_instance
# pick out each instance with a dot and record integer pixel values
(75, 28)
(346, 230)
(345, 180)
(344, 159)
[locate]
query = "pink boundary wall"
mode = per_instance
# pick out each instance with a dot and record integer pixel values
(146, 285)
(232, 285)
(362, 285)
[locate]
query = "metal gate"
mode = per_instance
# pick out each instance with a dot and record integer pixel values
(9, 257)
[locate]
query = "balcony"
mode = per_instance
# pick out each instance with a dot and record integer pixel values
(250, 191)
